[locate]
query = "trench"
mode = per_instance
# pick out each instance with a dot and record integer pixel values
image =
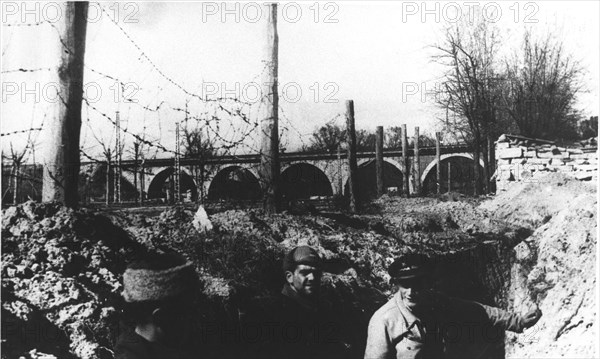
(481, 272)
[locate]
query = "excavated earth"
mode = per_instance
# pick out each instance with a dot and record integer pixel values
(534, 244)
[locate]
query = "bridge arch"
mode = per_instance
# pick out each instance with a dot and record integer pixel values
(234, 182)
(428, 176)
(96, 187)
(304, 180)
(392, 177)
(159, 186)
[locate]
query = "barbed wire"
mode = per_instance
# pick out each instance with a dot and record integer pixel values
(234, 135)
(92, 159)
(136, 136)
(16, 24)
(20, 131)
(28, 70)
(158, 70)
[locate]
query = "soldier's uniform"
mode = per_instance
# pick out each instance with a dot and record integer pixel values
(449, 325)
(435, 325)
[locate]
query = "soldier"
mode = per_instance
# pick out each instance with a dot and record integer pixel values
(160, 291)
(416, 322)
(305, 325)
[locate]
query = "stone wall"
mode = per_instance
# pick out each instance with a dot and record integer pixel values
(521, 159)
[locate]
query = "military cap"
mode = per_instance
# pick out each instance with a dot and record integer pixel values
(301, 255)
(410, 266)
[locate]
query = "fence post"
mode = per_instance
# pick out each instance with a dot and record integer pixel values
(269, 122)
(108, 165)
(379, 160)
(142, 182)
(340, 177)
(449, 177)
(352, 165)
(438, 156)
(417, 166)
(405, 189)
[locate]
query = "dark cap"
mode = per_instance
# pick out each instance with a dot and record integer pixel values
(410, 266)
(301, 255)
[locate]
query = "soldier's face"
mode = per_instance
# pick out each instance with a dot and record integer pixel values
(414, 291)
(305, 279)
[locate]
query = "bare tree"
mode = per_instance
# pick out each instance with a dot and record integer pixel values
(198, 144)
(365, 140)
(543, 82)
(16, 159)
(138, 152)
(471, 88)
(327, 138)
(393, 137)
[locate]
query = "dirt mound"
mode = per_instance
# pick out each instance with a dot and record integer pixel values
(555, 267)
(63, 266)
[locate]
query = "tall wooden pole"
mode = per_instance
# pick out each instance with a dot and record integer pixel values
(438, 167)
(269, 156)
(15, 171)
(61, 167)
(136, 154)
(352, 164)
(117, 170)
(176, 172)
(108, 165)
(340, 177)
(491, 161)
(405, 189)
(417, 166)
(379, 160)
(142, 182)
(449, 177)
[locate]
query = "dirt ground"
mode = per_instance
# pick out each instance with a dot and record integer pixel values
(536, 243)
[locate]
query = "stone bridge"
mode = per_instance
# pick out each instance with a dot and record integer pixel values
(303, 175)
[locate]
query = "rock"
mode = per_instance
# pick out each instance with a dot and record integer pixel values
(511, 153)
(24, 271)
(201, 221)
(583, 176)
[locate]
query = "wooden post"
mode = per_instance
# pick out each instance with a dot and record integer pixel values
(405, 189)
(379, 160)
(340, 177)
(201, 182)
(16, 171)
(417, 166)
(352, 165)
(61, 167)
(491, 161)
(438, 158)
(142, 182)
(108, 176)
(449, 177)
(117, 170)
(136, 150)
(269, 122)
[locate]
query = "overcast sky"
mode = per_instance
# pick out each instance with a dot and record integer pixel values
(376, 53)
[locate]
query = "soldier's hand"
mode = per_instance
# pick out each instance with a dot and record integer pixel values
(530, 318)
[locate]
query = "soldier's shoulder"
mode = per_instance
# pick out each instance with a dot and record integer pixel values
(388, 311)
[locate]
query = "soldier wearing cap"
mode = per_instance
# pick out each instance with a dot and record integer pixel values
(159, 292)
(416, 322)
(306, 326)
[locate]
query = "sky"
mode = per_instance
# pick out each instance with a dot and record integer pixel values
(378, 54)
